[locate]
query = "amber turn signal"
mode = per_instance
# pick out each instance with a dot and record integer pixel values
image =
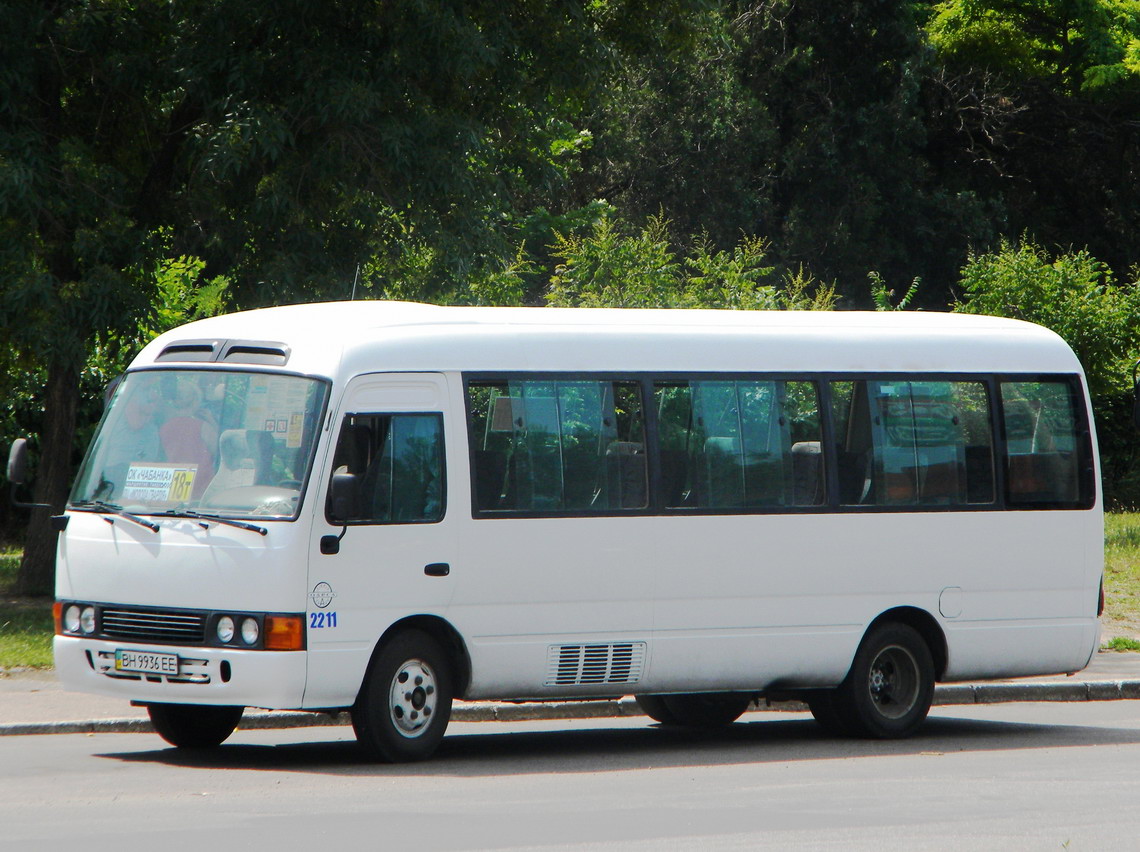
(284, 633)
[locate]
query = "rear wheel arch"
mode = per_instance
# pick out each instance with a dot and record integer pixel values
(926, 626)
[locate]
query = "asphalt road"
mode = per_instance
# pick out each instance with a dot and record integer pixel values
(1015, 776)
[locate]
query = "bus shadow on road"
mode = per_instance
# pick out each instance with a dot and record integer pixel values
(621, 745)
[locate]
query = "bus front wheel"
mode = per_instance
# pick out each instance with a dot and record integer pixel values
(405, 703)
(194, 725)
(890, 687)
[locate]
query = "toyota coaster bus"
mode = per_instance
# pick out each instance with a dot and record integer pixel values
(381, 507)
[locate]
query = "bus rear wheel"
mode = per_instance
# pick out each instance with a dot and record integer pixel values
(825, 709)
(890, 687)
(194, 725)
(695, 709)
(654, 707)
(405, 704)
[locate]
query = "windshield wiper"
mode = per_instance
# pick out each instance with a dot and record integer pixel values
(112, 509)
(217, 519)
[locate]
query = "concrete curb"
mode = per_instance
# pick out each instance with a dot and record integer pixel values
(944, 695)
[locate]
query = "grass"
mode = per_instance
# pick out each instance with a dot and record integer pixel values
(1122, 580)
(26, 623)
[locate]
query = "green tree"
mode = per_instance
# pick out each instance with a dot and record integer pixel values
(677, 131)
(610, 267)
(849, 186)
(1072, 46)
(1077, 296)
(284, 144)
(1034, 110)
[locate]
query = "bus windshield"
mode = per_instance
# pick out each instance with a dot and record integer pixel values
(225, 443)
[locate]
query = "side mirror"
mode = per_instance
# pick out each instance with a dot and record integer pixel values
(18, 472)
(343, 505)
(343, 492)
(18, 461)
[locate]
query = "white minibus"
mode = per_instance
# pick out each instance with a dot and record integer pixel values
(381, 507)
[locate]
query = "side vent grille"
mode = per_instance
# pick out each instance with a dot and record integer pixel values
(574, 665)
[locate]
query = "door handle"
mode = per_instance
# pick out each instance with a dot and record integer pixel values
(437, 569)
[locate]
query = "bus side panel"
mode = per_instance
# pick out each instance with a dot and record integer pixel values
(783, 601)
(532, 590)
(1030, 605)
(768, 601)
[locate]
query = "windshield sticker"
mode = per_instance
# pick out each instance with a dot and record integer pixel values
(159, 483)
(278, 407)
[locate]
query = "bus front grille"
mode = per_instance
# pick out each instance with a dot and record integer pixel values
(138, 625)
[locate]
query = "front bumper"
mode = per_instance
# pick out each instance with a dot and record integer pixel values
(274, 680)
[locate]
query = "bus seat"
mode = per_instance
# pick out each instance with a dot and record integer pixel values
(674, 477)
(236, 467)
(724, 478)
(626, 475)
(490, 472)
(979, 474)
(260, 445)
(352, 448)
(1035, 477)
(807, 473)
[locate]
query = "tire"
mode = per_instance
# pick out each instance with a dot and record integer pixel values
(825, 708)
(888, 691)
(706, 709)
(654, 707)
(194, 725)
(405, 704)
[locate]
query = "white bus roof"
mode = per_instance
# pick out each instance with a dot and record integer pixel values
(340, 339)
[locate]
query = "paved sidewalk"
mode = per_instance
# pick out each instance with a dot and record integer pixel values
(34, 702)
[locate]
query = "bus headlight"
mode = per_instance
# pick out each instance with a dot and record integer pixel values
(71, 619)
(87, 620)
(225, 629)
(249, 631)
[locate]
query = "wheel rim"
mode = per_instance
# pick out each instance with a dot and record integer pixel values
(893, 682)
(412, 698)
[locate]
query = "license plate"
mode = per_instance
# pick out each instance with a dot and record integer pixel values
(145, 662)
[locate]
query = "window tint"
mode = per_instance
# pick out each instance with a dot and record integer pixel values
(1042, 443)
(739, 444)
(903, 443)
(558, 446)
(394, 467)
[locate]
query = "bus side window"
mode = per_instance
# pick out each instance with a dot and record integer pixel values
(853, 455)
(396, 461)
(560, 446)
(1043, 446)
(922, 443)
(740, 444)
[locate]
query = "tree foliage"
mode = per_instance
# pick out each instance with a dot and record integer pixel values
(284, 144)
(1078, 297)
(159, 159)
(1034, 109)
(1073, 294)
(611, 268)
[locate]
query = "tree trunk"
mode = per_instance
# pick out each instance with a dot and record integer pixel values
(53, 478)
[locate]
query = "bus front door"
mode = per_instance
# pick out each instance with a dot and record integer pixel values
(382, 542)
